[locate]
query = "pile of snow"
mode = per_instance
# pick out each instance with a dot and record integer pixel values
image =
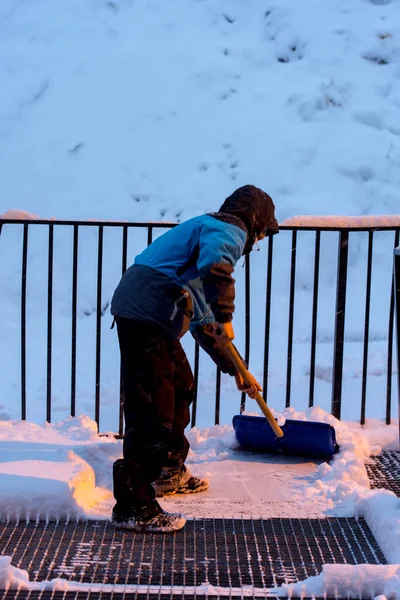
(55, 471)
(348, 581)
(18, 579)
(211, 443)
(62, 486)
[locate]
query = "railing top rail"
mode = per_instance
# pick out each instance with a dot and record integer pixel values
(167, 224)
(91, 222)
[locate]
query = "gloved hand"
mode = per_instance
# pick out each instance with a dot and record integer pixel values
(250, 390)
(223, 332)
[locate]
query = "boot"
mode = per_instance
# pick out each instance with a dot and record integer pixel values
(193, 485)
(150, 518)
(179, 480)
(123, 493)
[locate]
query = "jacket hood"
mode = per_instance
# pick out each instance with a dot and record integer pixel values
(257, 211)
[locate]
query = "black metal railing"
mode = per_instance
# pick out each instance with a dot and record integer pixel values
(397, 301)
(35, 264)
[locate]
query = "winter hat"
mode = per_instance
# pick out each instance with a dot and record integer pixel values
(256, 209)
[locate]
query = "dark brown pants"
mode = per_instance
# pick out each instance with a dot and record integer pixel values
(157, 390)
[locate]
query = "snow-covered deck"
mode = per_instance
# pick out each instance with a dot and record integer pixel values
(218, 557)
(267, 521)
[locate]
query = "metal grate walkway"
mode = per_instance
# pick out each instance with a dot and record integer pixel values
(47, 595)
(227, 553)
(384, 472)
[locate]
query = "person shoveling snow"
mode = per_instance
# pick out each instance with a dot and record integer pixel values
(181, 282)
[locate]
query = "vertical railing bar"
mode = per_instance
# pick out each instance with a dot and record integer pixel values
(49, 320)
(390, 345)
(196, 383)
(337, 376)
(247, 323)
(121, 386)
(267, 317)
(317, 253)
(98, 323)
(149, 235)
(74, 317)
(217, 397)
(291, 318)
(397, 301)
(23, 320)
(124, 248)
(366, 327)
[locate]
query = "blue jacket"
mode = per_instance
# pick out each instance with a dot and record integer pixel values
(183, 279)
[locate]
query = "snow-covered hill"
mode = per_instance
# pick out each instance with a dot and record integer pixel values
(133, 110)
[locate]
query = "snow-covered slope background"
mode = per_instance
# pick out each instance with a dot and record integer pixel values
(159, 110)
(134, 110)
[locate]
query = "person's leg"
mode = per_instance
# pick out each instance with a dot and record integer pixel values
(148, 386)
(175, 476)
(173, 467)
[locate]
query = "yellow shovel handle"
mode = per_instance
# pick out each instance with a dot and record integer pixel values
(247, 378)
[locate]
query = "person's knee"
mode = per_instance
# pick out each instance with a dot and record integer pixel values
(151, 444)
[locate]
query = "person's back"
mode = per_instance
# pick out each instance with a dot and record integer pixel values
(167, 284)
(185, 274)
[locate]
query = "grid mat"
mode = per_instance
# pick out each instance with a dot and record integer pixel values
(384, 472)
(230, 553)
(47, 595)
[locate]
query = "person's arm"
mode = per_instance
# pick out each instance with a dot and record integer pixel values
(204, 336)
(220, 247)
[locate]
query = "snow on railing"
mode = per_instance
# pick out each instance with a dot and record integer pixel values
(343, 222)
(298, 222)
(18, 215)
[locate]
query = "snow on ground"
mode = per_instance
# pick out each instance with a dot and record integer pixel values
(76, 463)
(64, 470)
(348, 581)
(360, 581)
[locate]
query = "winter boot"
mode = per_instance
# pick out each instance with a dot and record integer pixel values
(150, 518)
(179, 481)
(193, 485)
(123, 493)
(170, 479)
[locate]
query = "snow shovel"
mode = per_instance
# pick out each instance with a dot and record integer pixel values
(248, 378)
(301, 438)
(296, 438)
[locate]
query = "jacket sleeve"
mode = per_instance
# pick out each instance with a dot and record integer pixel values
(202, 335)
(220, 247)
